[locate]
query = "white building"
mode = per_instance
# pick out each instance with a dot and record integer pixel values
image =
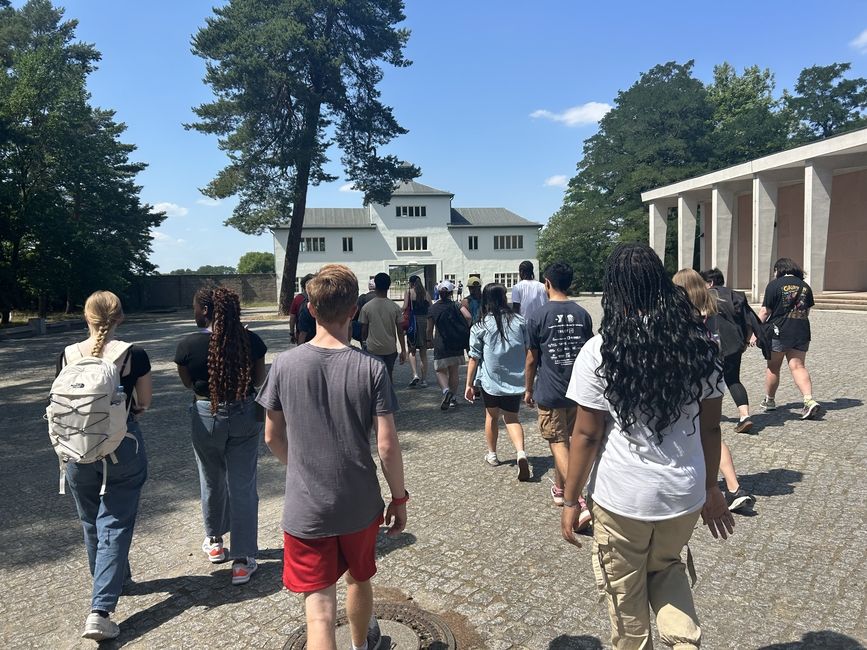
(420, 233)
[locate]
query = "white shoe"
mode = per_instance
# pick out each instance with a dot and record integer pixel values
(491, 459)
(213, 548)
(99, 628)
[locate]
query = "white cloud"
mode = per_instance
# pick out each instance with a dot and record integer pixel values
(160, 236)
(860, 42)
(348, 187)
(163, 238)
(208, 201)
(589, 113)
(171, 209)
(556, 181)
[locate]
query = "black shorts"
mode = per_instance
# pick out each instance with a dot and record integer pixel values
(508, 403)
(778, 345)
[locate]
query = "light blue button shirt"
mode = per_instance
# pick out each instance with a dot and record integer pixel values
(501, 370)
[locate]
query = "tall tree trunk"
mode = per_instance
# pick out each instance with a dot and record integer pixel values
(299, 207)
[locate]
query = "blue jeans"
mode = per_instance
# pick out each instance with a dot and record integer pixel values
(108, 520)
(226, 445)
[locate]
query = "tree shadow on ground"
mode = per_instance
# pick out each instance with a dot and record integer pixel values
(773, 483)
(823, 640)
(583, 642)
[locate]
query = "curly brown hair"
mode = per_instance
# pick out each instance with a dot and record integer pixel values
(229, 362)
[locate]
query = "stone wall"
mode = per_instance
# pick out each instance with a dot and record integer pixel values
(177, 291)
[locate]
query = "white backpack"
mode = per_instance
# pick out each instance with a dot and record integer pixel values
(87, 409)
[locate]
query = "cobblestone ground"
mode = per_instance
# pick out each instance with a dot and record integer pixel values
(481, 550)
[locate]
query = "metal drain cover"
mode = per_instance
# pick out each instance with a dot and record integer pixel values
(404, 627)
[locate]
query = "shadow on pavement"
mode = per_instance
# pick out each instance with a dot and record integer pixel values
(386, 544)
(773, 483)
(583, 642)
(823, 640)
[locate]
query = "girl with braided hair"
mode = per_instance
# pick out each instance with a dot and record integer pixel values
(647, 436)
(108, 519)
(223, 363)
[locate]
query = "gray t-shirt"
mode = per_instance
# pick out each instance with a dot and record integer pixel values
(330, 399)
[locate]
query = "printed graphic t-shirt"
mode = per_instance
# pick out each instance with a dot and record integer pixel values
(791, 318)
(558, 330)
(634, 475)
(502, 362)
(330, 399)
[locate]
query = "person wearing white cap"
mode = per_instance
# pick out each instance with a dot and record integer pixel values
(451, 339)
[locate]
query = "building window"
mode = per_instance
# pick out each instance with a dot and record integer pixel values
(508, 280)
(451, 277)
(508, 242)
(410, 211)
(473, 242)
(312, 245)
(347, 244)
(412, 243)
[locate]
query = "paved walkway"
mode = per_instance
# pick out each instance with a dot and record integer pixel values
(480, 549)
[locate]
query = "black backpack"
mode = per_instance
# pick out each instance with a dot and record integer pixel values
(453, 329)
(732, 321)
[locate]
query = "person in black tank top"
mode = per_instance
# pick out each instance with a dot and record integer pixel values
(418, 297)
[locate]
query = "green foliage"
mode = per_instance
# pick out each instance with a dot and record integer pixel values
(207, 269)
(291, 78)
(255, 262)
(825, 103)
(70, 216)
(668, 126)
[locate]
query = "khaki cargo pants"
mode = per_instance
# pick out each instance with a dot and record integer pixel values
(637, 563)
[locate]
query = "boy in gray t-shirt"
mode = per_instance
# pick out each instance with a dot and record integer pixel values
(323, 401)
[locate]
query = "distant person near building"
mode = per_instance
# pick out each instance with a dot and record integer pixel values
(786, 310)
(471, 308)
(417, 297)
(448, 329)
(498, 352)
(295, 308)
(380, 325)
(460, 290)
(331, 531)
(557, 332)
(223, 363)
(528, 295)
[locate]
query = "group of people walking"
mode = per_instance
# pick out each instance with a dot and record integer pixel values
(631, 416)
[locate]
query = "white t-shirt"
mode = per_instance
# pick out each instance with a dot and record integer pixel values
(635, 476)
(531, 295)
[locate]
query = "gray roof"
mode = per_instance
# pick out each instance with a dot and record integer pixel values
(335, 218)
(487, 218)
(412, 187)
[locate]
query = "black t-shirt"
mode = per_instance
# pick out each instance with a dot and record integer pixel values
(437, 311)
(558, 329)
(306, 322)
(192, 353)
(137, 365)
(790, 310)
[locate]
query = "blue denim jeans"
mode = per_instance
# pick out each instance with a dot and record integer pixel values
(108, 520)
(226, 445)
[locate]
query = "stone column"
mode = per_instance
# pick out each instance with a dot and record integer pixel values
(818, 183)
(657, 217)
(686, 219)
(764, 233)
(721, 217)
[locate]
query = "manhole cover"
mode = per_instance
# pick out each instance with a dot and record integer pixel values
(404, 627)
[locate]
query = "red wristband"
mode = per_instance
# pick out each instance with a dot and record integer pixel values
(400, 501)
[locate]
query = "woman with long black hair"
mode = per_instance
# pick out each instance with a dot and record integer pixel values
(418, 297)
(498, 352)
(648, 389)
(223, 363)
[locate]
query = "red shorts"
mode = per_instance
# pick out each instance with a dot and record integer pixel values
(314, 564)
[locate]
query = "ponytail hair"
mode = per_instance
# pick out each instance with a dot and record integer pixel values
(103, 312)
(229, 362)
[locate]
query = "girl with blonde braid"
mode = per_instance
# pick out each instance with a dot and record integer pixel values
(222, 363)
(108, 519)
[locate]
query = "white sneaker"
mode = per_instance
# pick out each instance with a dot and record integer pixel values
(213, 548)
(99, 628)
(242, 570)
(491, 459)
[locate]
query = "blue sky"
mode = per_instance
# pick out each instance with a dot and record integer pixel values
(487, 101)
